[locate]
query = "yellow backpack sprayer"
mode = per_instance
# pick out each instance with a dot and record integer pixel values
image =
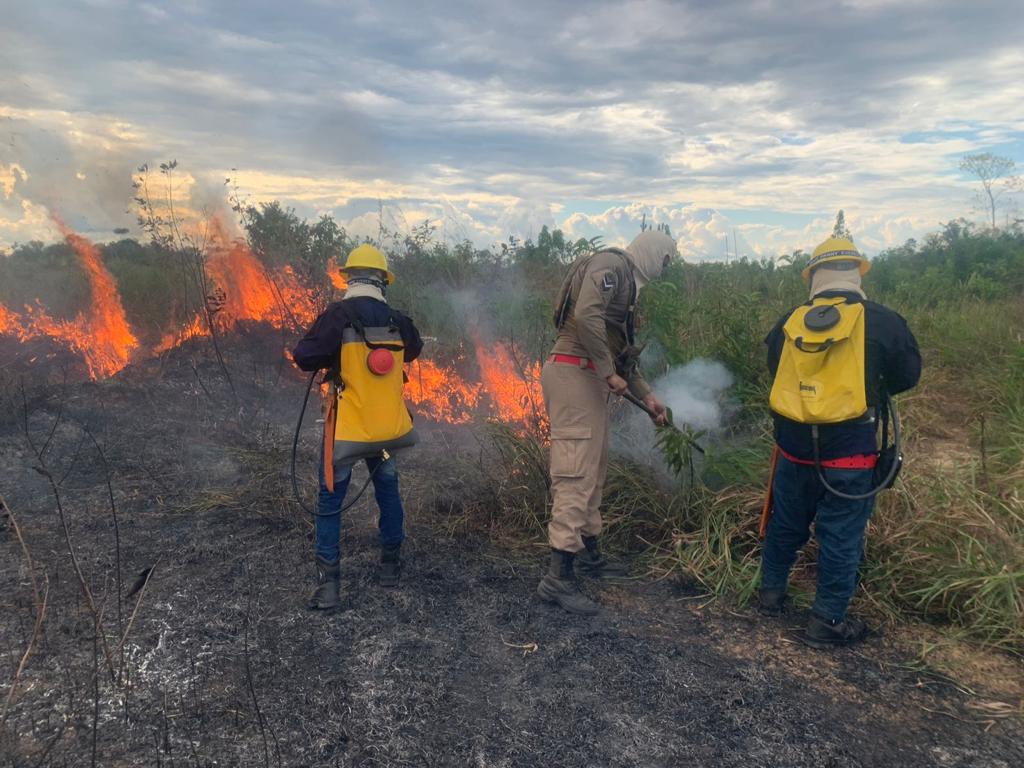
(365, 414)
(820, 380)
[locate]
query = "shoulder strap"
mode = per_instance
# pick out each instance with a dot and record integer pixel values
(351, 317)
(564, 301)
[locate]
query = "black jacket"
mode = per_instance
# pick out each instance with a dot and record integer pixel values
(892, 364)
(320, 346)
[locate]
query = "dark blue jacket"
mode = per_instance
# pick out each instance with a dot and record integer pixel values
(320, 346)
(892, 364)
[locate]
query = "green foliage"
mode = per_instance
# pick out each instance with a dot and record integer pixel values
(956, 263)
(678, 445)
(50, 275)
(146, 284)
(551, 249)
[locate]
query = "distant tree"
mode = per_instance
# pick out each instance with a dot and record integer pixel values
(551, 249)
(996, 175)
(840, 229)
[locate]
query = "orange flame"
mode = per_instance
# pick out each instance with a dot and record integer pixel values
(101, 335)
(338, 279)
(245, 290)
(245, 285)
(248, 291)
(441, 394)
(107, 341)
(10, 323)
(514, 389)
(507, 392)
(172, 339)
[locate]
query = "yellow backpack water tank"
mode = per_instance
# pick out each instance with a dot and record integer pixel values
(820, 378)
(371, 414)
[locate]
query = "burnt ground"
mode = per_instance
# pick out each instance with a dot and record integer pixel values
(460, 666)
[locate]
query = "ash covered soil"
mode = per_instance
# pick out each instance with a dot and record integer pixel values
(461, 665)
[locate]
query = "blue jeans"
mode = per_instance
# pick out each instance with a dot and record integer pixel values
(839, 525)
(385, 488)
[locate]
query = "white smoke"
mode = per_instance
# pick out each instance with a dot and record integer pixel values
(695, 392)
(698, 395)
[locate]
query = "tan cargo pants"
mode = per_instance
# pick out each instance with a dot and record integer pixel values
(577, 403)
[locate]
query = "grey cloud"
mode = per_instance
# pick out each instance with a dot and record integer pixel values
(510, 94)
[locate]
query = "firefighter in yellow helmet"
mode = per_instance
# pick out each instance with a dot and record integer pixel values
(363, 342)
(593, 358)
(834, 361)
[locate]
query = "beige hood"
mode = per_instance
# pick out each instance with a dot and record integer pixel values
(647, 252)
(823, 279)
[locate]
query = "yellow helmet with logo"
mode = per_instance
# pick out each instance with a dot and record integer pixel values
(366, 256)
(836, 249)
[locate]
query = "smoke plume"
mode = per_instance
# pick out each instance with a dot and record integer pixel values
(696, 392)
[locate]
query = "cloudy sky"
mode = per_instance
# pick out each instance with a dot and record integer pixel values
(756, 119)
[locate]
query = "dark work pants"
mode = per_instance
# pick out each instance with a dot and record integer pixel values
(839, 524)
(385, 488)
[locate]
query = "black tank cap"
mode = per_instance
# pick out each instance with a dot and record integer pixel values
(821, 318)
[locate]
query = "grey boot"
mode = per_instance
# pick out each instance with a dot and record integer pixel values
(390, 566)
(327, 595)
(771, 602)
(592, 562)
(559, 586)
(822, 633)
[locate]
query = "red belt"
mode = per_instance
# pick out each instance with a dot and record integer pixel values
(860, 461)
(573, 360)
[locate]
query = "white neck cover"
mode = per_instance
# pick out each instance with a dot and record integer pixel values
(357, 290)
(836, 280)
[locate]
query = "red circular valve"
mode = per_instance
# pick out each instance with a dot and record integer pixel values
(380, 361)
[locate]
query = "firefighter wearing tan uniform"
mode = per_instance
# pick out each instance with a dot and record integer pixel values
(593, 357)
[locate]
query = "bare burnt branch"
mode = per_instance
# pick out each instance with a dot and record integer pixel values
(39, 603)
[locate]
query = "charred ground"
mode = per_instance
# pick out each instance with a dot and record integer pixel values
(223, 665)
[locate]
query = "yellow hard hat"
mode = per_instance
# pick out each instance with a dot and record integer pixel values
(366, 256)
(836, 249)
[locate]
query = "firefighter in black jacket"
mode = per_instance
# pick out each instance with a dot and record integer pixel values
(380, 339)
(847, 450)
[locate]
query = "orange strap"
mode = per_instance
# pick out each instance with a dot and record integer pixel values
(330, 420)
(766, 510)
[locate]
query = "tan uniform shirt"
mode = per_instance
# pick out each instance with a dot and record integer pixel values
(601, 294)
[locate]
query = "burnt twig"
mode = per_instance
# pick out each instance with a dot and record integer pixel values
(38, 601)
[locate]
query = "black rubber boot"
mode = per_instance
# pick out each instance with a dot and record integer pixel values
(593, 563)
(390, 566)
(771, 602)
(327, 595)
(821, 633)
(559, 586)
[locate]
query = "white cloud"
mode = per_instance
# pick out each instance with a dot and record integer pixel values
(493, 126)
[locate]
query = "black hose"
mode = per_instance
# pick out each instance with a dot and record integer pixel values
(295, 450)
(890, 408)
(295, 445)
